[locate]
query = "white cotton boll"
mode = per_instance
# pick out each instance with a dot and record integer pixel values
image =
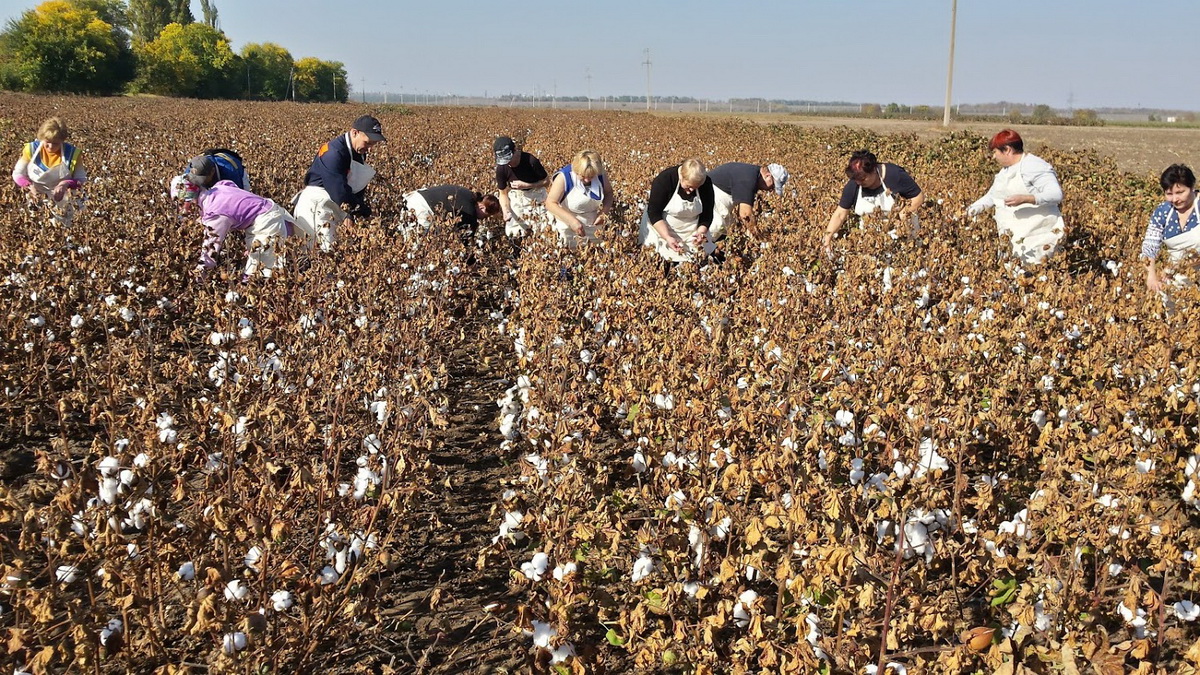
(664, 401)
(721, 529)
(562, 652)
(113, 627)
(372, 444)
(108, 488)
(142, 460)
(66, 574)
(380, 410)
(245, 332)
(1108, 501)
(902, 470)
(168, 436)
(930, 459)
(844, 418)
(109, 466)
(252, 558)
(233, 643)
(642, 568)
(856, 471)
(37, 322)
(1115, 569)
(676, 499)
(639, 462)
(126, 477)
(822, 460)
(742, 610)
(563, 571)
(236, 590)
(281, 601)
(1038, 418)
(586, 356)
(328, 576)
(126, 314)
(543, 634)
(535, 569)
(186, 571)
(1187, 610)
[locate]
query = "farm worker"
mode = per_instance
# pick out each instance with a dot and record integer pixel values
(49, 167)
(1026, 195)
(734, 187)
(522, 181)
(463, 206)
(580, 199)
(217, 164)
(679, 212)
(873, 187)
(226, 208)
(1173, 223)
(336, 183)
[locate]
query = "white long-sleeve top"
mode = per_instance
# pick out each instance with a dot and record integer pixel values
(1038, 176)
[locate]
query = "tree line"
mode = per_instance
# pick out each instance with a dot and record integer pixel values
(104, 47)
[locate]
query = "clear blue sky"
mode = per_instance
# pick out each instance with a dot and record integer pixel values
(1104, 52)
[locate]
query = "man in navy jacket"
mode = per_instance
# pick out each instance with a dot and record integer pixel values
(335, 185)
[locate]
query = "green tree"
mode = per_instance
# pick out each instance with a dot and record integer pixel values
(208, 9)
(181, 12)
(317, 80)
(192, 60)
(1042, 114)
(147, 18)
(1086, 117)
(65, 45)
(871, 109)
(268, 69)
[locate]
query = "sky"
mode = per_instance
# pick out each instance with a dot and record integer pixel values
(1064, 53)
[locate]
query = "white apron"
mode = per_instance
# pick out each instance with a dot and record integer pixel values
(584, 203)
(269, 228)
(317, 216)
(419, 207)
(884, 201)
(723, 213)
(1178, 248)
(683, 217)
(1035, 230)
(63, 211)
(528, 210)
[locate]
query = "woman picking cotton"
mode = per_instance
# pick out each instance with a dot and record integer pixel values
(226, 208)
(463, 206)
(872, 187)
(580, 199)
(1026, 195)
(49, 167)
(679, 213)
(1172, 226)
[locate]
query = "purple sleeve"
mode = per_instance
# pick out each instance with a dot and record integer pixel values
(216, 228)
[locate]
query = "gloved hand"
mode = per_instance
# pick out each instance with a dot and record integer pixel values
(974, 210)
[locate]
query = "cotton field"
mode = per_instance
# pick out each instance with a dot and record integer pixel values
(915, 456)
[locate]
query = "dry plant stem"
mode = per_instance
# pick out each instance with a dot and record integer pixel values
(891, 596)
(1162, 613)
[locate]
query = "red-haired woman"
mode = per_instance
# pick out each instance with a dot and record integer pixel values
(1026, 195)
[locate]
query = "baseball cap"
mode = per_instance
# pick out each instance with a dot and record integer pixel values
(201, 170)
(504, 149)
(780, 175)
(369, 126)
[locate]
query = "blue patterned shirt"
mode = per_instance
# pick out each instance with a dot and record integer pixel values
(1164, 224)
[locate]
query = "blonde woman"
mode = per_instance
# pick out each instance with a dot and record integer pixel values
(679, 213)
(580, 199)
(49, 167)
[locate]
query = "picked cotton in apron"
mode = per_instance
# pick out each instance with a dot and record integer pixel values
(683, 217)
(317, 217)
(1035, 230)
(1179, 248)
(528, 210)
(584, 203)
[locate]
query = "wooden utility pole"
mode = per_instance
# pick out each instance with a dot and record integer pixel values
(950, 69)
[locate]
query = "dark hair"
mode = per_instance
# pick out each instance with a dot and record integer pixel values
(1007, 138)
(1177, 174)
(862, 164)
(490, 204)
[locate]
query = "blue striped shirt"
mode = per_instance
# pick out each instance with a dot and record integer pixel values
(1164, 224)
